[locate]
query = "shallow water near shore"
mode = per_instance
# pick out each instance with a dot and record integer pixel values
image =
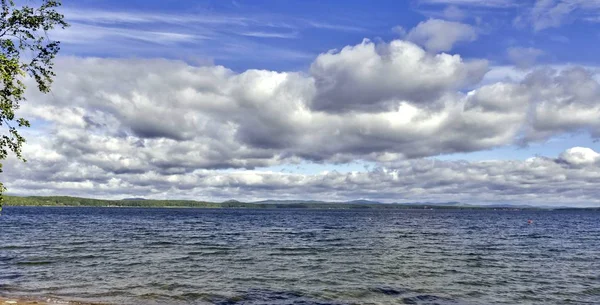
(228, 256)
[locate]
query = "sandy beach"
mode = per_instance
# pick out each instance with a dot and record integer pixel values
(13, 301)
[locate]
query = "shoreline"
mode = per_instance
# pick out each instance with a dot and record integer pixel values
(68, 201)
(28, 301)
(21, 300)
(322, 207)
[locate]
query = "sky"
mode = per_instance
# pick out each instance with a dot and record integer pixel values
(480, 102)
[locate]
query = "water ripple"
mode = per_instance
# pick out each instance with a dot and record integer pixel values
(251, 257)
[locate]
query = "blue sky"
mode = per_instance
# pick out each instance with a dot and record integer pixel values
(421, 100)
(287, 35)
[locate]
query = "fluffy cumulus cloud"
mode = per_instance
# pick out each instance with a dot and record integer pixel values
(580, 156)
(563, 101)
(369, 77)
(441, 35)
(116, 127)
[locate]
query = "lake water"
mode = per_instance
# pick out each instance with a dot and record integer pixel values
(200, 256)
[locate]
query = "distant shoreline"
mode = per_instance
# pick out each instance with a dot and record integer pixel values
(66, 201)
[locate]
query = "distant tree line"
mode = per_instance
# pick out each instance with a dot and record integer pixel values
(89, 202)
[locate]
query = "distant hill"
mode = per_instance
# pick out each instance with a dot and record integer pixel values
(271, 201)
(231, 201)
(266, 204)
(362, 201)
(89, 202)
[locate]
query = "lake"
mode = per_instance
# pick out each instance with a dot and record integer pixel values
(296, 256)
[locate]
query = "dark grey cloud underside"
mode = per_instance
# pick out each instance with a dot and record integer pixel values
(129, 126)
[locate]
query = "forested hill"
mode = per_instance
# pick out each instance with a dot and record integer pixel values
(138, 202)
(298, 204)
(89, 202)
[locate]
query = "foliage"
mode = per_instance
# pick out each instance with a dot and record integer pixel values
(76, 201)
(25, 50)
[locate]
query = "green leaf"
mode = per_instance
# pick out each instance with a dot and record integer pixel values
(23, 30)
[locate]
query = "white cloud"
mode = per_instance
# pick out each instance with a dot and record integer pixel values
(334, 27)
(549, 13)
(367, 102)
(440, 35)
(208, 35)
(563, 101)
(136, 126)
(580, 156)
(537, 181)
(370, 77)
(83, 34)
(139, 17)
(553, 13)
(197, 20)
(259, 34)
